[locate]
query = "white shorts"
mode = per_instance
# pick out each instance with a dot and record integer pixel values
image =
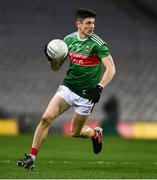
(81, 105)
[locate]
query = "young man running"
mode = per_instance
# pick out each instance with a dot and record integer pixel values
(81, 88)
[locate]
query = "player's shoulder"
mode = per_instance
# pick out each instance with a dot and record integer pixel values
(94, 37)
(71, 35)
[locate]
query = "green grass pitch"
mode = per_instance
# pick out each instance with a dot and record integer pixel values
(72, 158)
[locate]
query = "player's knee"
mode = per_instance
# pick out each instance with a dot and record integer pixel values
(46, 120)
(75, 134)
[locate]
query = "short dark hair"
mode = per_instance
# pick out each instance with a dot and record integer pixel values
(85, 13)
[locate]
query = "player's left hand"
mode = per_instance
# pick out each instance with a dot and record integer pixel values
(95, 93)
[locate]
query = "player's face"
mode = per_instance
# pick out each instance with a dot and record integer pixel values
(86, 26)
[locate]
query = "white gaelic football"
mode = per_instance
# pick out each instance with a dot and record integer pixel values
(57, 49)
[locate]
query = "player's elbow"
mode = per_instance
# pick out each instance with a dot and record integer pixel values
(55, 69)
(113, 71)
(54, 66)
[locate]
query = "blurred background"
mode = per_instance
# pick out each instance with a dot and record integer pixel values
(128, 105)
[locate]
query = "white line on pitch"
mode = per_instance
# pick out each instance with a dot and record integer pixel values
(5, 161)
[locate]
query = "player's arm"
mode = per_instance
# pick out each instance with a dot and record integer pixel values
(107, 77)
(54, 63)
(110, 70)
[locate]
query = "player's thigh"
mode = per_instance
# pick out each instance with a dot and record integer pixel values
(56, 106)
(77, 123)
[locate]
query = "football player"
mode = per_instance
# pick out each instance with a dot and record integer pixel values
(81, 87)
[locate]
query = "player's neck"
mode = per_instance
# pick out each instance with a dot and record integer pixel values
(81, 36)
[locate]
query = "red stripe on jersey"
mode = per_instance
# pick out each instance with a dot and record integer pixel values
(84, 59)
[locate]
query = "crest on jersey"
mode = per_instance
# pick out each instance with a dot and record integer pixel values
(87, 49)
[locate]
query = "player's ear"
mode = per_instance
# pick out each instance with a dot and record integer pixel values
(78, 23)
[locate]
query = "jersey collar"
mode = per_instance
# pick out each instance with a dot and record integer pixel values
(78, 37)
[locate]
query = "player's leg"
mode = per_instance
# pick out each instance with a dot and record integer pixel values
(79, 129)
(56, 107)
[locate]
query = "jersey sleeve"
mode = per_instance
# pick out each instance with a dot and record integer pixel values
(103, 51)
(67, 40)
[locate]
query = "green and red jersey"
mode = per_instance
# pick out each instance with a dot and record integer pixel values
(85, 66)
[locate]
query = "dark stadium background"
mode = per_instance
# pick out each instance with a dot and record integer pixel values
(26, 81)
(128, 105)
